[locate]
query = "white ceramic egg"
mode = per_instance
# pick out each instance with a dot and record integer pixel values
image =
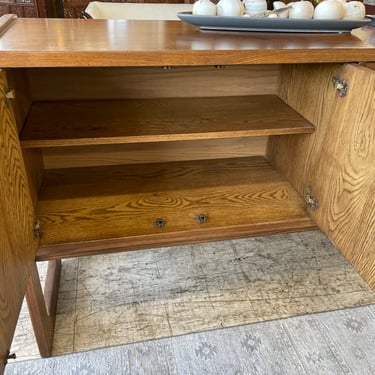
(279, 5)
(230, 8)
(329, 10)
(204, 8)
(301, 9)
(253, 7)
(354, 10)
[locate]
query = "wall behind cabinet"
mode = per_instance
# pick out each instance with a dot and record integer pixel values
(74, 8)
(62, 8)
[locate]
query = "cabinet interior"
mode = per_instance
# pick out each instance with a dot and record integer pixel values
(128, 158)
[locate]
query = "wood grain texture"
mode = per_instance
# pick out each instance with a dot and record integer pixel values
(21, 103)
(19, 82)
(17, 245)
(158, 120)
(90, 156)
(31, 8)
(152, 82)
(78, 43)
(51, 287)
(6, 21)
(9, 307)
(34, 165)
(338, 160)
(92, 210)
(42, 308)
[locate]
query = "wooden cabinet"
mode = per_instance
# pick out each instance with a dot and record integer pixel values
(32, 8)
(74, 8)
(134, 139)
(193, 185)
(28, 8)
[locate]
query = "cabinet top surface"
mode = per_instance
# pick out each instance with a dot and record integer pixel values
(78, 42)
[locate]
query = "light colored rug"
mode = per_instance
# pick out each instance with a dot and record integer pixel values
(136, 296)
(339, 342)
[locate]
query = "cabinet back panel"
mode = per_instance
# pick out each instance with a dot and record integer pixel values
(89, 156)
(117, 83)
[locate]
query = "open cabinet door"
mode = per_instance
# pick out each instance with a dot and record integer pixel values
(17, 242)
(337, 161)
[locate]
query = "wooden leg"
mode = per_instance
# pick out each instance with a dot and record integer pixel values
(42, 306)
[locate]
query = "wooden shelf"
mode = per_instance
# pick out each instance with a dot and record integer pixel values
(73, 123)
(86, 211)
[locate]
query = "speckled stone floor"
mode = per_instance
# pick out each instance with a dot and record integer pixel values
(122, 298)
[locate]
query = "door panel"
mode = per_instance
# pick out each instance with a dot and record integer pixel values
(17, 242)
(338, 160)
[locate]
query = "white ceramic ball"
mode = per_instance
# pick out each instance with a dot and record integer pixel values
(253, 7)
(279, 5)
(329, 10)
(204, 8)
(354, 10)
(301, 9)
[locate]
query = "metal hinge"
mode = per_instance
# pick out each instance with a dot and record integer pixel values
(36, 229)
(341, 85)
(310, 200)
(8, 95)
(9, 356)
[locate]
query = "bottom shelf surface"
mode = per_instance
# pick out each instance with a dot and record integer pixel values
(87, 211)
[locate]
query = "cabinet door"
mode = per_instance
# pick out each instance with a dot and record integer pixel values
(17, 242)
(338, 159)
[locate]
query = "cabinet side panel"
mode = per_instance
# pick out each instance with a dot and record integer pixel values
(34, 164)
(338, 160)
(17, 245)
(18, 81)
(21, 103)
